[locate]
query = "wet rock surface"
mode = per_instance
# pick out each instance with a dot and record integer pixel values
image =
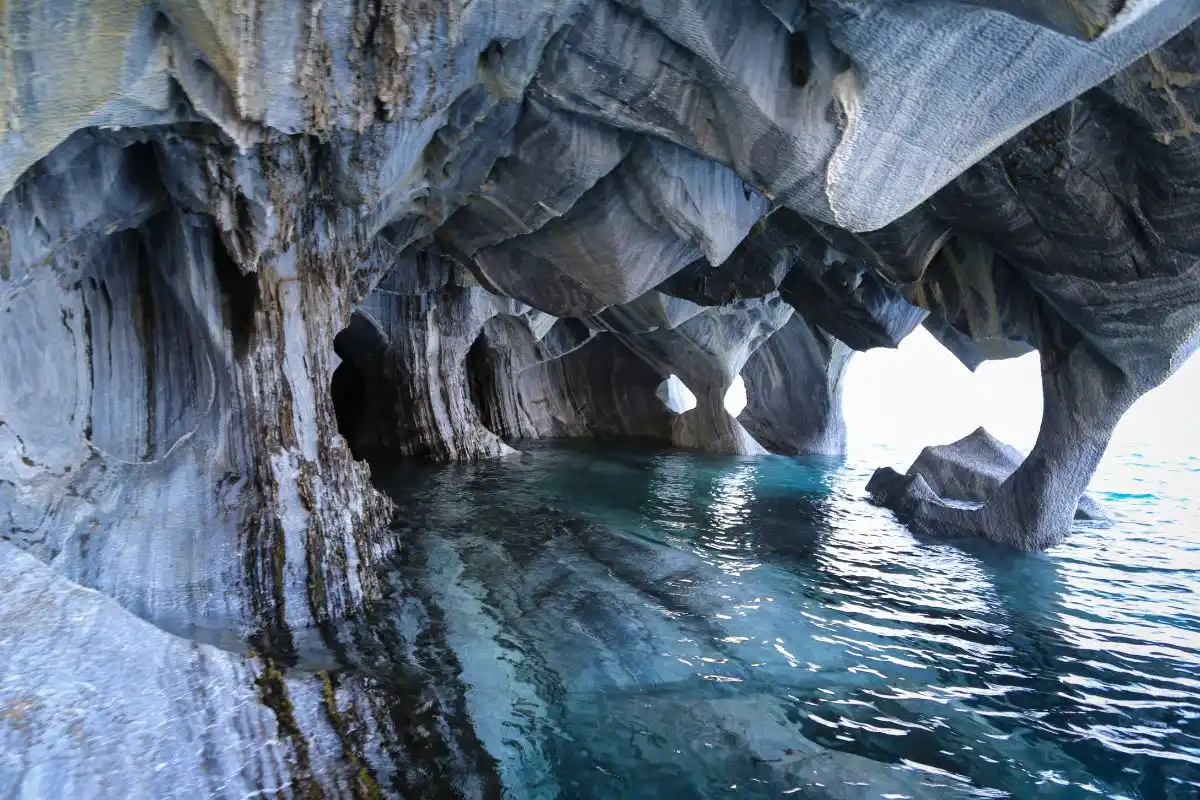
(245, 248)
(968, 471)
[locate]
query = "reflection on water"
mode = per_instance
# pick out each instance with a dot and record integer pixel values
(661, 624)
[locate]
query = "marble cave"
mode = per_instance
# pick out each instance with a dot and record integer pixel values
(254, 252)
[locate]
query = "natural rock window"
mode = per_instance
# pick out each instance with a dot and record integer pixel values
(735, 397)
(677, 396)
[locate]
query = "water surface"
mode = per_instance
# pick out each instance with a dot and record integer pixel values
(664, 624)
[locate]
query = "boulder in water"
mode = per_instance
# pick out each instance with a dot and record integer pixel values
(962, 475)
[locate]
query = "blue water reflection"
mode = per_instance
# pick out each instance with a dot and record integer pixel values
(662, 624)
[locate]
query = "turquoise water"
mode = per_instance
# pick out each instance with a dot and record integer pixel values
(644, 623)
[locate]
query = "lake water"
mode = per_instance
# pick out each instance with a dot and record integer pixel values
(640, 623)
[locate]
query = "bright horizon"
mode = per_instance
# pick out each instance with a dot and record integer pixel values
(920, 394)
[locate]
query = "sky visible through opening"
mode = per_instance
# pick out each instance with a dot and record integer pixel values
(898, 401)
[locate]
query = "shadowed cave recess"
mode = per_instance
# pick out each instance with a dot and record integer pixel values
(247, 250)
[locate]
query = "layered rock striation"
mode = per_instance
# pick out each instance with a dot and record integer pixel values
(245, 248)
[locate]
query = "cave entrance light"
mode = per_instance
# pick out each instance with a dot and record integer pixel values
(676, 395)
(735, 397)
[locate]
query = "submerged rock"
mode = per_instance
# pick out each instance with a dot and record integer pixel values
(108, 705)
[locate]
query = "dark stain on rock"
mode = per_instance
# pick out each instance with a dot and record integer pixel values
(146, 313)
(5, 254)
(348, 728)
(274, 695)
(87, 345)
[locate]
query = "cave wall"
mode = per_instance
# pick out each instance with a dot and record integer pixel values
(418, 400)
(154, 386)
(794, 391)
(598, 389)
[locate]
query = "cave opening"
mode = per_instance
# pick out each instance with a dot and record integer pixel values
(885, 408)
(240, 293)
(735, 400)
(489, 373)
(359, 385)
(675, 394)
(348, 389)
(891, 418)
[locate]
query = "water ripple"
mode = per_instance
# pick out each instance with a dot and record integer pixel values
(685, 625)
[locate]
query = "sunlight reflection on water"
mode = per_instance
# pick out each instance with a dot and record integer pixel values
(683, 623)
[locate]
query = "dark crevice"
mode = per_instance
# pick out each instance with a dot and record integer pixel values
(241, 293)
(357, 386)
(375, 16)
(481, 385)
(89, 353)
(348, 389)
(490, 57)
(160, 23)
(5, 254)
(800, 62)
(146, 313)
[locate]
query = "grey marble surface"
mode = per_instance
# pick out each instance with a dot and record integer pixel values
(968, 471)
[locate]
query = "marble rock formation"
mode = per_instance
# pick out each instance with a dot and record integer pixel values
(1077, 238)
(794, 391)
(574, 382)
(407, 349)
(967, 471)
(167, 433)
(243, 243)
(706, 347)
